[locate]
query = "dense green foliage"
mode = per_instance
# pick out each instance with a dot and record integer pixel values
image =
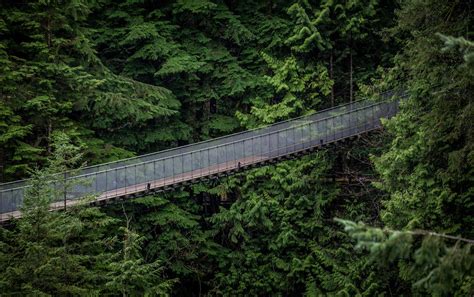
(428, 168)
(126, 77)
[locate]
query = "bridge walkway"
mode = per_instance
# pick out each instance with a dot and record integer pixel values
(159, 171)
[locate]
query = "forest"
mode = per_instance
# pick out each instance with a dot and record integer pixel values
(387, 213)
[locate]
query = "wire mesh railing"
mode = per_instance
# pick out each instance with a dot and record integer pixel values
(153, 171)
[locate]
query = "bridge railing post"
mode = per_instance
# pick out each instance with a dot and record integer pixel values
(228, 155)
(310, 134)
(348, 124)
(342, 131)
(354, 122)
(3, 195)
(120, 179)
(143, 174)
(298, 137)
(154, 173)
(295, 143)
(162, 165)
(252, 150)
(208, 162)
(183, 171)
(366, 113)
(203, 160)
(172, 165)
(192, 165)
(291, 145)
(224, 155)
(133, 178)
(106, 185)
(3, 204)
(219, 159)
(116, 183)
(95, 183)
(200, 161)
(325, 128)
(277, 149)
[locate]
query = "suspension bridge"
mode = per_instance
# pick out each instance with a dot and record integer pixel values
(167, 169)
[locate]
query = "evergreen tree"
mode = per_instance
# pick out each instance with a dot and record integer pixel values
(54, 253)
(129, 275)
(441, 265)
(53, 80)
(427, 169)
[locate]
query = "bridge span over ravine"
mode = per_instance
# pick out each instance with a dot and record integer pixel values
(163, 170)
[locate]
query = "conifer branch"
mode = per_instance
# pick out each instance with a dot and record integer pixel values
(441, 235)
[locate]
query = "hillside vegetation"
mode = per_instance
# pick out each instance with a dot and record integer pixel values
(386, 214)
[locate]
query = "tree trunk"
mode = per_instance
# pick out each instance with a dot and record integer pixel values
(48, 32)
(331, 76)
(49, 132)
(351, 96)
